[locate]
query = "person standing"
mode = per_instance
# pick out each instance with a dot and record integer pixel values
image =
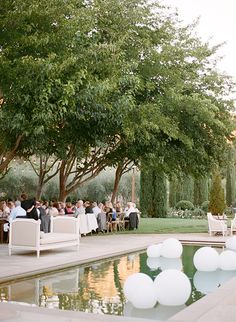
(30, 206)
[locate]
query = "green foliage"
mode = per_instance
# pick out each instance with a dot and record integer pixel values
(205, 206)
(122, 76)
(200, 190)
(217, 196)
(153, 197)
(199, 213)
(17, 182)
(230, 177)
(184, 204)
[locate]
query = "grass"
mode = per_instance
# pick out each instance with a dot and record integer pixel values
(170, 225)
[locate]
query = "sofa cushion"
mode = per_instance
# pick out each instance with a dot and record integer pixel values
(51, 238)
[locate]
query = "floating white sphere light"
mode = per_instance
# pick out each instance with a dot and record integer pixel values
(171, 248)
(139, 290)
(227, 260)
(154, 250)
(231, 243)
(206, 259)
(172, 287)
(144, 296)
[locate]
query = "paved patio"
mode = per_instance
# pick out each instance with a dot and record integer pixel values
(216, 307)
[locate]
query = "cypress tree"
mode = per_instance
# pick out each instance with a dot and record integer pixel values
(187, 188)
(229, 198)
(172, 191)
(146, 193)
(200, 190)
(153, 193)
(217, 196)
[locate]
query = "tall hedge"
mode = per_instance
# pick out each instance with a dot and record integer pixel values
(200, 190)
(180, 188)
(153, 193)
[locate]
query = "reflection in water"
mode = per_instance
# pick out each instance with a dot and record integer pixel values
(171, 263)
(206, 282)
(159, 312)
(99, 288)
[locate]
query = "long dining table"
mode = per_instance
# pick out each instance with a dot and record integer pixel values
(87, 223)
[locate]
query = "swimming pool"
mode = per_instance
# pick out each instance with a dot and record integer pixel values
(98, 287)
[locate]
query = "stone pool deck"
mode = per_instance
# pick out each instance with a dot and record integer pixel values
(216, 307)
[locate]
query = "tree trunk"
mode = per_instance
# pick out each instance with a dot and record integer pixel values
(62, 183)
(39, 191)
(117, 181)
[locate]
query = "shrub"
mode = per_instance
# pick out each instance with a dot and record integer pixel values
(198, 213)
(184, 204)
(204, 206)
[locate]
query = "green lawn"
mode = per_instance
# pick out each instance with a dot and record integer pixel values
(170, 225)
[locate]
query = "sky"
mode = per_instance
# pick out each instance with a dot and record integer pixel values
(217, 24)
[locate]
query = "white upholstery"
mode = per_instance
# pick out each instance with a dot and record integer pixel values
(25, 234)
(216, 225)
(233, 226)
(51, 238)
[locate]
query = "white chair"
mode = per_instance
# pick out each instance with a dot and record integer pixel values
(216, 225)
(233, 226)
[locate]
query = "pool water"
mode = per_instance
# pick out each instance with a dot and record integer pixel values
(98, 287)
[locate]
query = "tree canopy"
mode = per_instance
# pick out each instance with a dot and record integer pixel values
(106, 81)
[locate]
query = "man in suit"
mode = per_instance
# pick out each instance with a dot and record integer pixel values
(29, 206)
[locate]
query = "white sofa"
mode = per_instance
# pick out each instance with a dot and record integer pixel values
(25, 234)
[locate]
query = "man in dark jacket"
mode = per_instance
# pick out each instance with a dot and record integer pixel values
(29, 206)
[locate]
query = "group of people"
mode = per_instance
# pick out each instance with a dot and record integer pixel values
(31, 208)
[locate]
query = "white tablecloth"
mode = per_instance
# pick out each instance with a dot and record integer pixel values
(92, 222)
(87, 223)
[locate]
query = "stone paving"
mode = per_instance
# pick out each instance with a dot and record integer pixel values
(216, 307)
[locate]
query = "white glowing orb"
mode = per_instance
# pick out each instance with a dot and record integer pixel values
(227, 260)
(231, 243)
(171, 248)
(154, 250)
(206, 259)
(172, 287)
(139, 290)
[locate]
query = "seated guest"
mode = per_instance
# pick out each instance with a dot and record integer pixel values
(44, 217)
(130, 208)
(108, 210)
(88, 207)
(79, 208)
(4, 210)
(61, 208)
(18, 211)
(69, 209)
(101, 219)
(118, 208)
(29, 206)
(53, 209)
(96, 209)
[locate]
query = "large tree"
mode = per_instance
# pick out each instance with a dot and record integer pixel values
(121, 78)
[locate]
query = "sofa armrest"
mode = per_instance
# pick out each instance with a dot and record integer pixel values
(24, 232)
